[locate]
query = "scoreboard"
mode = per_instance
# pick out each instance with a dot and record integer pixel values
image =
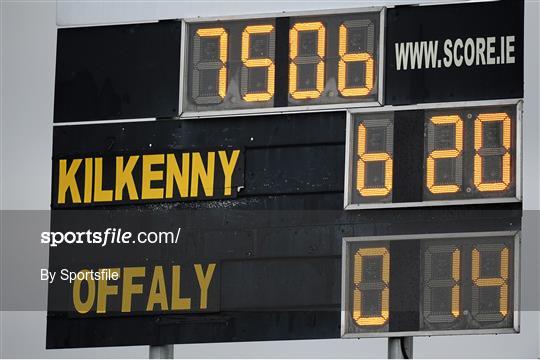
(347, 173)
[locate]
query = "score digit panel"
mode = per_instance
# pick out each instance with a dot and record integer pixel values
(439, 154)
(266, 63)
(430, 284)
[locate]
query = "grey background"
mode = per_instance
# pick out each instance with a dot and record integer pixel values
(28, 46)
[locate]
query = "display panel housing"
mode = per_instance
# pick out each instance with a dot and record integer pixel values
(269, 63)
(434, 154)
(430, 284)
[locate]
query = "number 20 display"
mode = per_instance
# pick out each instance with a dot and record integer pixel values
(470, 155)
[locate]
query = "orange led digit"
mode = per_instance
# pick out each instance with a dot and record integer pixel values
(360, 285)
(444, 154)
(456, 261)
(481, 152)
(257, 63)
(223, 46)
(296, 58)
(363, 158)
(346, 58)
(501, 281)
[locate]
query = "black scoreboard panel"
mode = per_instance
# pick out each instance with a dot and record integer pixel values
(274, 250)
(117, 72)
(431, 283)
(454, 52)
(434, 155)
(261, 204)
(283, 62)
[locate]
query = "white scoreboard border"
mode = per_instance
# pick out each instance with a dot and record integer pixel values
(345, 276)
(349, 158)
(184, 58)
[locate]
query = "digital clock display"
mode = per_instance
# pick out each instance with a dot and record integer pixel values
(283, 62)
(434, 156)
(430, 283)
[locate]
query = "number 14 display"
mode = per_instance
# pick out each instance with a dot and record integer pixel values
(430, 283)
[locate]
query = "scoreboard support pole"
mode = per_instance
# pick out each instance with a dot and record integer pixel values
(400, 347)
(161, 352)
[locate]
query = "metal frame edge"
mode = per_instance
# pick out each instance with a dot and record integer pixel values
(345, 280)
(348, 205)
